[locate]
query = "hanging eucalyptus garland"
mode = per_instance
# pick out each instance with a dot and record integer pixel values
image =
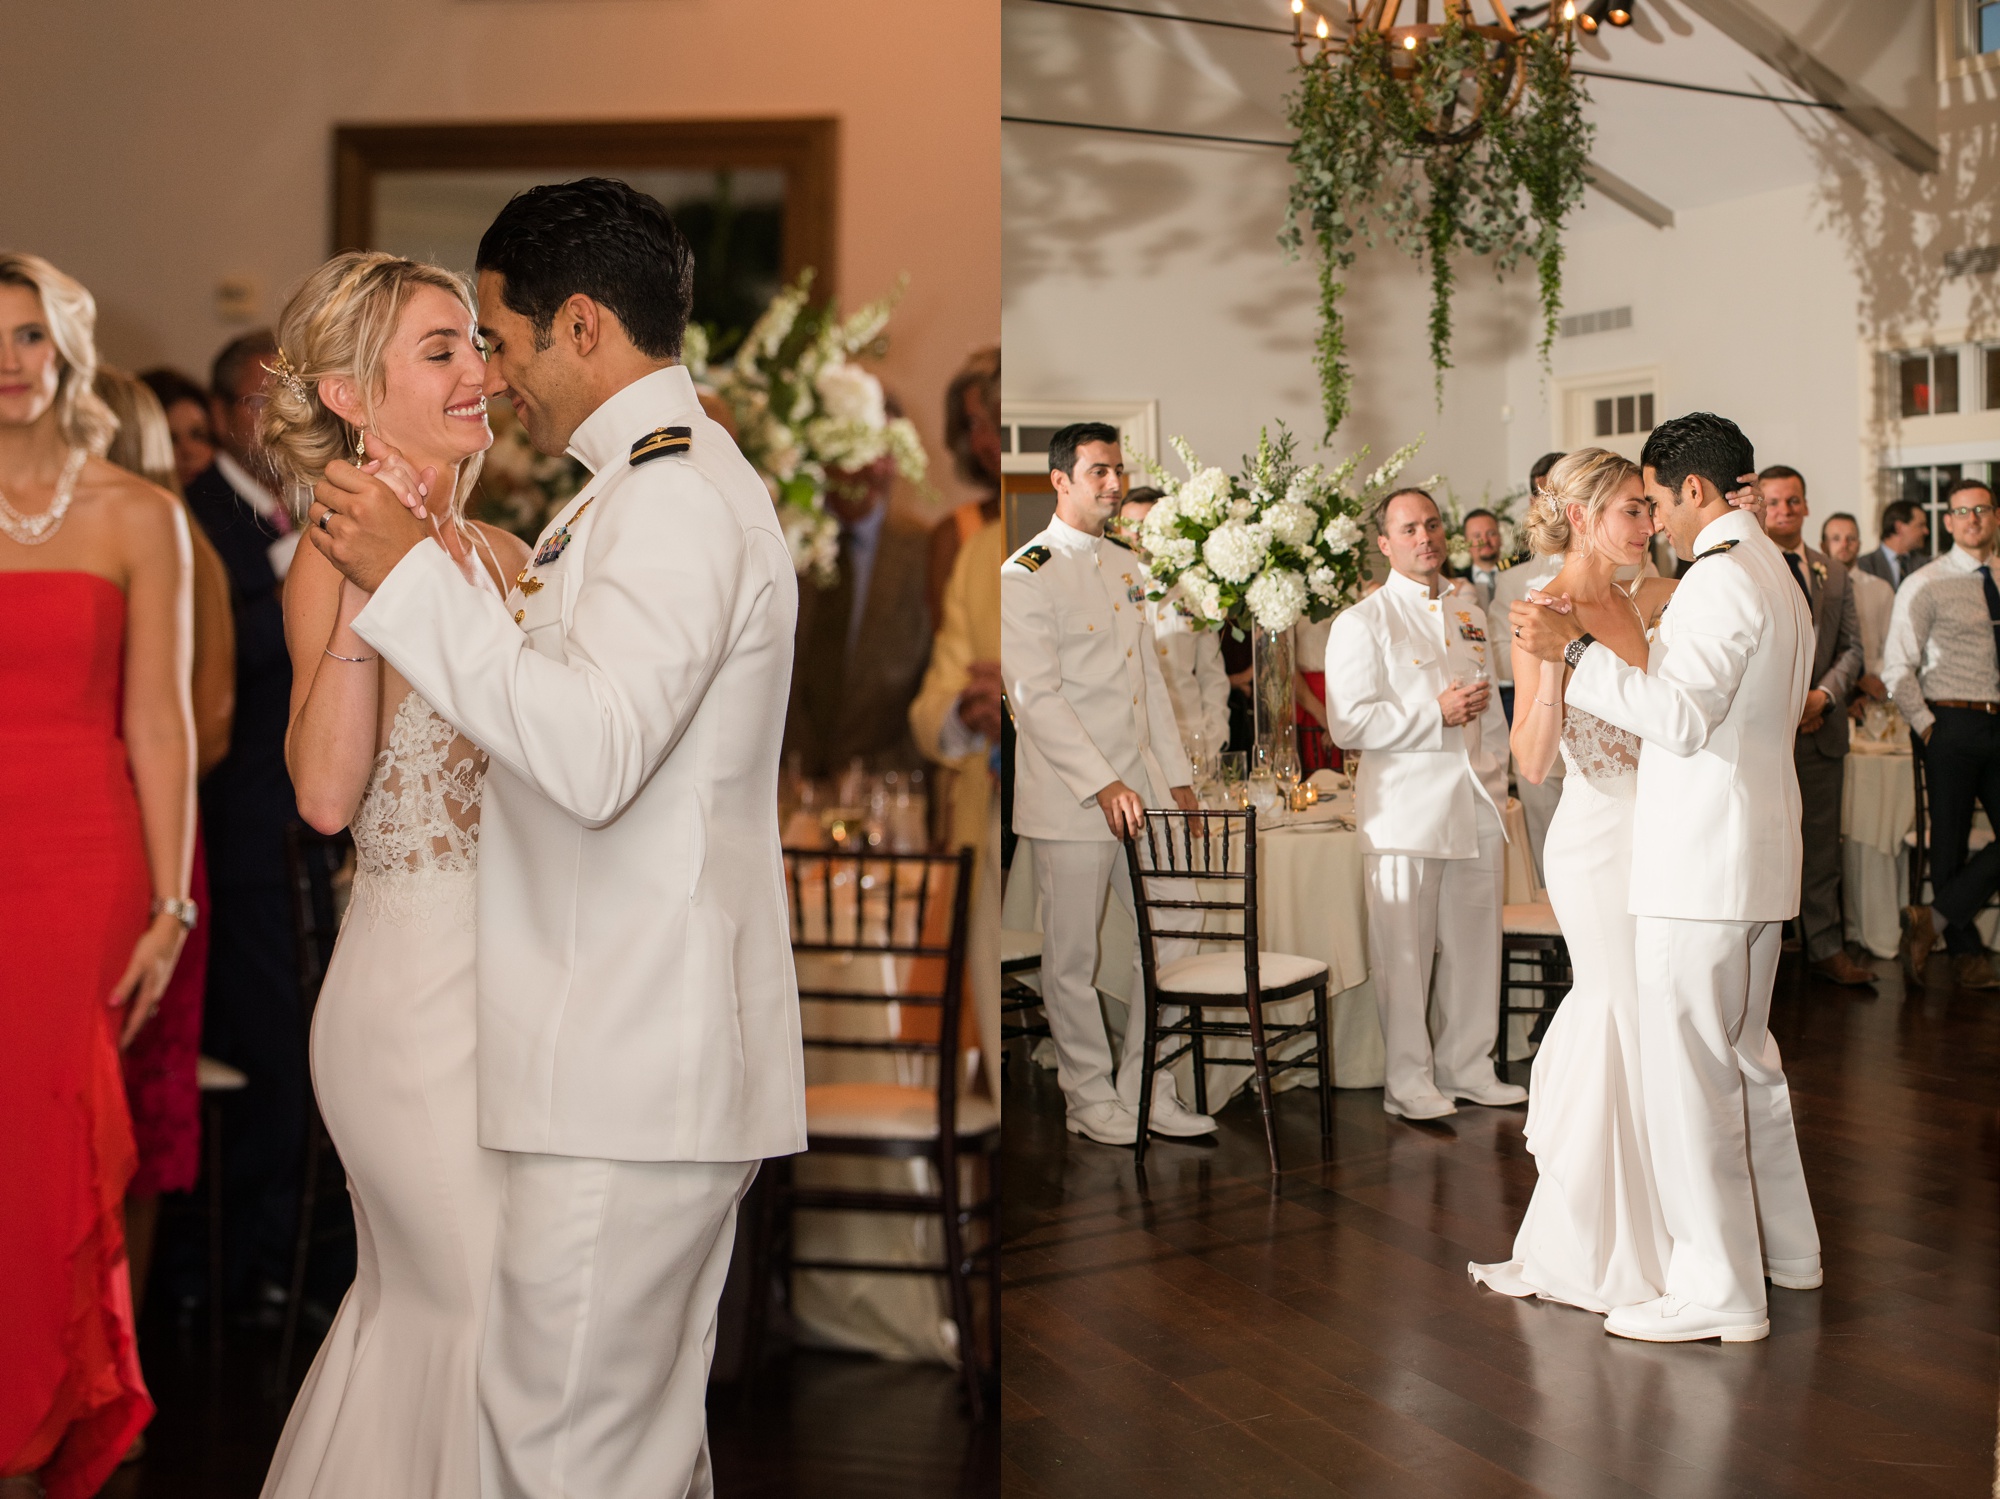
(1478, 145)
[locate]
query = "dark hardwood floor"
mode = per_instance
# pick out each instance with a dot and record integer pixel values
(1213, 1334)
(816, 1426)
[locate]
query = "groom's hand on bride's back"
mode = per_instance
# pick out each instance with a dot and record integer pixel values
(361, 520)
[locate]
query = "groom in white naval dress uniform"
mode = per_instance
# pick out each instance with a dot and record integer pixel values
(1715, 874)
(1404, 686)
(638, 1039)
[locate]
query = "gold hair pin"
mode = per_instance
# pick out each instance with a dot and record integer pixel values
(285, 372)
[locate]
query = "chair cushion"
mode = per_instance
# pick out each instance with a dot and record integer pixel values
(890, 1111)
(1222, 972)
(1015, 946)
(1536, 920)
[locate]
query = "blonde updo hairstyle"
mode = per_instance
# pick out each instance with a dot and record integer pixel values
(1588, 477)
(71, 313)
(339, 323)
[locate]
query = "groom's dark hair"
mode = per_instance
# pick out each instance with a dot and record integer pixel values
(1701, 443)
(604, 239)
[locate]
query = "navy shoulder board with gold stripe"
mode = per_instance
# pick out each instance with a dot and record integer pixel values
(1033, 557)
(1715, 551)
(660, 442)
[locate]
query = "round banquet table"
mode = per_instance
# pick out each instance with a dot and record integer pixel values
(1312, 903)
(1878, 809)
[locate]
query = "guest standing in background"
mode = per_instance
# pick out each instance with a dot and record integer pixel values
(1538, 799)
(972, 433)
(863, 641)
(1906, 538)
(1190, 658)
(1943, 671)
(955, 719)
(252, 1018)
(1400, 687)
(1096, 745)
(96, 831)
(1820, 752)
(186, 406)
(1482, 540)
(955, 716)
(1316, 749)
(161, 1083)
(1874, 600)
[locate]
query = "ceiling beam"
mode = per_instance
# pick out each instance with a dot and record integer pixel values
(1757, 34)
(1628, 197)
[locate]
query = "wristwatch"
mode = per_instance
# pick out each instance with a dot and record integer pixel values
(186, 912)
(1573, 652)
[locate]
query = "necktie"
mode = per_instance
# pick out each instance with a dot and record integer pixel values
(1799, 577)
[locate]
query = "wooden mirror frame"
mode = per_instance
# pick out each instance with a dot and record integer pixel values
(806, 150)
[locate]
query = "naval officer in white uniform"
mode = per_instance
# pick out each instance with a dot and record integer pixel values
(1096, 743)
(638, 1032)
(1407, 684)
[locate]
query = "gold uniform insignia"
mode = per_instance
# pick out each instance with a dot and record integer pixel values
(1033, 558)
(528, 583)
(660, 442)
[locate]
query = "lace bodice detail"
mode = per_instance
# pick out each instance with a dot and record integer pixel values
(1595, 749)
(418, 822)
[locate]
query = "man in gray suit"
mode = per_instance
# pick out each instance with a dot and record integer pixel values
(1820, 752)
(1906, 540)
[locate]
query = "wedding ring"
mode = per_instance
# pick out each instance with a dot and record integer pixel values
(324, 515)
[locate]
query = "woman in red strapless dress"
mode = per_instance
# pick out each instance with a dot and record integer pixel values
(96, 819)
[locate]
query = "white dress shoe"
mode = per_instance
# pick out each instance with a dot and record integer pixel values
(1170, 1116)
(1423, 1106)
(1106, 1123)
(1675, 1319)
(1505, 1278)
(1494, 1095)
(1795, 1275)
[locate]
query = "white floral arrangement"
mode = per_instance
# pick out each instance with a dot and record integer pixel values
(1279, 542)
(521, 489)
(805, 409)
(1513, 545)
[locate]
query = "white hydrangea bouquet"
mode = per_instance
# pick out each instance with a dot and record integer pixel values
(1513, 545)
(1278, 542)
(805, 409)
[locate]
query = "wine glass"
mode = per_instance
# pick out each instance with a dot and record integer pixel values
(1285, 766)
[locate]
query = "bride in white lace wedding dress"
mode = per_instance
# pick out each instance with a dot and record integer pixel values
(1593, 1235)
(390, 1405)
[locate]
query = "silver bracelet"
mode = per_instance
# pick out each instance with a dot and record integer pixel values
(1548, 704)
(356, 660)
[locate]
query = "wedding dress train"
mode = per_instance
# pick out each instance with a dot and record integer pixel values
(390, 1405)
(1593, 1235)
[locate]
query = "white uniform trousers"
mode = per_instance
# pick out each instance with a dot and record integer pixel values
(1434, 952)
(1072, 876)
(1718, 1111)
(593, 1376)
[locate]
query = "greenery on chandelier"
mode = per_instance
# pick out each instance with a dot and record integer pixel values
(1480, 145)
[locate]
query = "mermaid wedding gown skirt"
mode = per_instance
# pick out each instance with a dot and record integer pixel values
(390, 1405)
(1593, 1235)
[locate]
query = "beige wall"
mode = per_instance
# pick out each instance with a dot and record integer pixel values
(153, 149)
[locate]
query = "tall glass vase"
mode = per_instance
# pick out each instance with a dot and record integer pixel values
(1271, 679)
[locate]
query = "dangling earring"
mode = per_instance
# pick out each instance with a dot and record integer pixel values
(360, 445)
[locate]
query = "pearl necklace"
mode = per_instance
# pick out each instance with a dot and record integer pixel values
(33, 530)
